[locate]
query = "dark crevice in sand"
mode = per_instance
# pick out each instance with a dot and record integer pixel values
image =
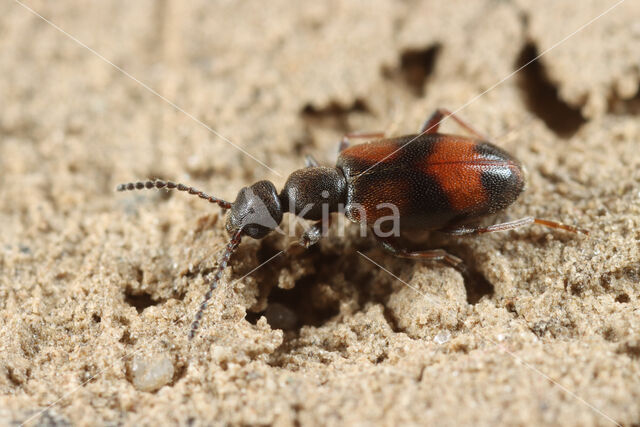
(316, 298)
(623, 298)
(333, 116)
(391, 320)
(627, 273)
(140, 300)
(12, 377)
(630, 348)
(179, 373)
(126, 338)
(291, 309)
(541, 95)
(306, 303)
(415, 66)
(610, 334)
(576, 288)
(477, 286)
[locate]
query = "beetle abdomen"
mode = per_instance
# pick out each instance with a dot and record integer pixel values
(435, 181)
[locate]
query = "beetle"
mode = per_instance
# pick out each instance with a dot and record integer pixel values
(436, 181)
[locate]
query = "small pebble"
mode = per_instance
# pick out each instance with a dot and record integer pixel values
(149, 374)
(442, 337)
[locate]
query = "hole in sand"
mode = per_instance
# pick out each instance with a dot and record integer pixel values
(415, 67)
(334, 115)
(126, 338)
(477, 286)
(316, 297)
(139, 300)
(541, 96)
(623, 298)
(305, 305)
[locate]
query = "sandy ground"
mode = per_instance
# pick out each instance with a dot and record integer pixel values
(98, 288)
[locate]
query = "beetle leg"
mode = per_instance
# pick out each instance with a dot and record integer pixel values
(511, 225)
(310, 161)
(313, 235)
(346, 140)
(432, 124)
(430, 254)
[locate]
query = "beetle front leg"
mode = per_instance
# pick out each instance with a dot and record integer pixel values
(313, 235)
(430, 254)
(432, 124)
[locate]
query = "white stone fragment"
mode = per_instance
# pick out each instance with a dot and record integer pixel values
(442, 337)
(149, 374)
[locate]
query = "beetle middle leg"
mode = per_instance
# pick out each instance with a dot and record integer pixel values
(432, 124)
(346, 140)
(459, 230)
(431, 254)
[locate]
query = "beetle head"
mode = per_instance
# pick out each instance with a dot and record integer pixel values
(256, 211)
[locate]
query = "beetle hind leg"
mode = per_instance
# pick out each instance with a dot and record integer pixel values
(432, 124)
(460, 230)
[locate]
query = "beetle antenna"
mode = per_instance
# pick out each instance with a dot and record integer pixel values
(159, 184)
(213, 280)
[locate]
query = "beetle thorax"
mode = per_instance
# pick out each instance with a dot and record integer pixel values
(311, 191)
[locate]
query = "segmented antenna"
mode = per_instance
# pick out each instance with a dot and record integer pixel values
(141, 185)
(213, 281)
